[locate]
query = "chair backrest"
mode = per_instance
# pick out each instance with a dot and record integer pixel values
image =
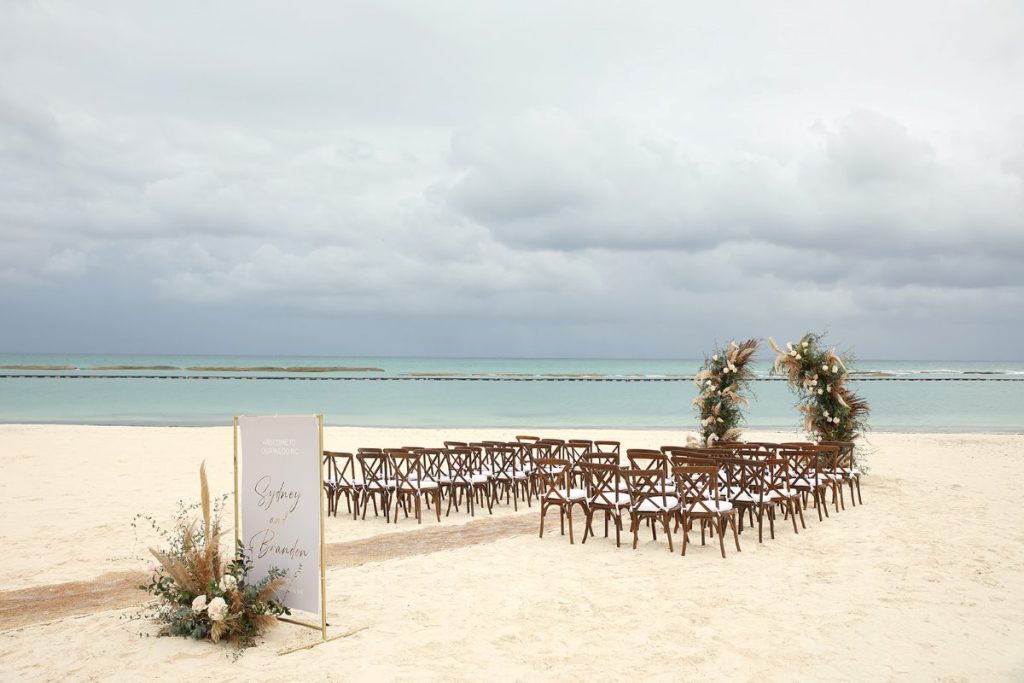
(525, 438)
(594, 457)
(459, 465)
(521, 453)
(607, 447)
(455, 444)
(603, 483)
(846, 456)
(695, 450)
(406, 468)
(802, 463)
(432, 462)
(742, 478)
(503, 460)
(339, 468)
(751, 452)
(553, 477)
(776, 476)
(375, 466)
(698, 488)
(574, 450)
(650, 484)
(554, 448)
(683, 459)
(646, 459)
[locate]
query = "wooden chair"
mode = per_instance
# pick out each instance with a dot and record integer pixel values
(647, 459)
(830, 478)
(607, 447)
(330, 470)
(652, 497)
(525, 438)
(340, 469)
(760, 487)
(412, 482)
(698, 488)
(847, 466)
(461, 478)
(573, 451)
(604, 492)
(553, 477)
(552, 448)
(377, 480)
(805, 475)
(508, 477)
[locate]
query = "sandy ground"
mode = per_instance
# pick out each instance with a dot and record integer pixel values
(925, 581)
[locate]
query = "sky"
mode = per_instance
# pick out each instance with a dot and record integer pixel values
(511, 178)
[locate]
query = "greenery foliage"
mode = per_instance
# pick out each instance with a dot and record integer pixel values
(723, 381)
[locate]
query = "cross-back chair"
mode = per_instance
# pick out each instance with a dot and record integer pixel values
(698, 489)
(604, 487)
(652, 497)
(555, 490)
(412, 482)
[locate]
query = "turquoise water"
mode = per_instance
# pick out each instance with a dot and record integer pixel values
(450, 392)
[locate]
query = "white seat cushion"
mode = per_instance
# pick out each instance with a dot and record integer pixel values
(480, 478)
(420, 485)
(709, 506)
(611, 498)
(570, 494)
(754, 498)
(657, 504)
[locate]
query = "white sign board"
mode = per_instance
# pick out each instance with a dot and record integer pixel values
(280, 503)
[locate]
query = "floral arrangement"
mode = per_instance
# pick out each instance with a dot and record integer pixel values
(201, 595)
(818, 376)
(722, 382)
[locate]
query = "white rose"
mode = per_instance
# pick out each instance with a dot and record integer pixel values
(797, 356)
(824, 367)
(835, 369)
(228, 583)
(805, 345)
(820, 392)
(714, 357)
(218, 609)
(199, 604)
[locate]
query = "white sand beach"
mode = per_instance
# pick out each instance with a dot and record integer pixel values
(923, 582)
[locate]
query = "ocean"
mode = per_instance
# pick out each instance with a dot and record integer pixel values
(933, 396)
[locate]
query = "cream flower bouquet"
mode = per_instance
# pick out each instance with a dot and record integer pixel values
(203, 596)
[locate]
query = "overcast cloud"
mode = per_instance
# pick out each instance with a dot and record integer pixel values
(511, 178)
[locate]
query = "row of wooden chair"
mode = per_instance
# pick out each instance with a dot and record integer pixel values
(477, 473)
(709, 485)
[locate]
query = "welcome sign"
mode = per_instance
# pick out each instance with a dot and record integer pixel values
(278, 500)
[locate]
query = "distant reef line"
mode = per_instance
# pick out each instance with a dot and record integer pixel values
(196, 368)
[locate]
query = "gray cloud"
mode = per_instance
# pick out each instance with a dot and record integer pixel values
(509, 178)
